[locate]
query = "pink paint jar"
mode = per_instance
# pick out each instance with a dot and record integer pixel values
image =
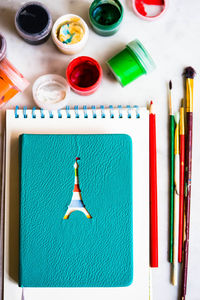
(11, 81)
(84, 75)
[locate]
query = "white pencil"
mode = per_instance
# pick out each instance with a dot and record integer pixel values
(176, 200)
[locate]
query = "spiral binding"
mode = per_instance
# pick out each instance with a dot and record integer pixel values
(85, 112)
(33, 113)
(42, 113)
(59, 114)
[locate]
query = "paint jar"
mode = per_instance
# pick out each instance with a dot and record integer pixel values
(51, 92)
(150, 10)
(70, 34)
(11, 81)
(33, 22)
(3, 47)
(131, 63)
(84, 75)
(106, 16)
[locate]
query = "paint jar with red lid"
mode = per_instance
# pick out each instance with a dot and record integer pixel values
(84, 75)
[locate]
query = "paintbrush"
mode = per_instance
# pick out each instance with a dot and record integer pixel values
(182, 173)
(189, 74)
(176, 200)
(171, 133)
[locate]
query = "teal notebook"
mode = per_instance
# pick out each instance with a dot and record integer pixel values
(76, 210)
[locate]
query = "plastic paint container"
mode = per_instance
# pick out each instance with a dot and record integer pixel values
(131, 63)
(33, 22)
(76, 31)
(3, 47)
(51, 92)
(106, 16)
(11, 81)
(150, 10)
(84, 75)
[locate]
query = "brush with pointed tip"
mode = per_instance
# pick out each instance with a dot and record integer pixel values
(171, 141)
(182, 169)
(176, 200)
(189, 74)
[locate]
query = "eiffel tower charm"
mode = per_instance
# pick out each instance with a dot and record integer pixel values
(76, 203)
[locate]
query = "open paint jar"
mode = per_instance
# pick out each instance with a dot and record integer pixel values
(149, 10)
(131, 63)
(70, 33)
(106, 16)
(84, 75)
(51, 92)
(3, 47)
(11, 81)
(33, 23)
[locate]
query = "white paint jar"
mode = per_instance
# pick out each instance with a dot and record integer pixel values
(51, 92)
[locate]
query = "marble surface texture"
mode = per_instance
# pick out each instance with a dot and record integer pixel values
(174, 43)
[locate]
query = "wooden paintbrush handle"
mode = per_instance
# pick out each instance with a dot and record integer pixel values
(188, 181)
(171, 217)
(181, 201)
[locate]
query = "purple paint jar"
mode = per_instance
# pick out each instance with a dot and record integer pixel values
(3, 47)
(33, 22)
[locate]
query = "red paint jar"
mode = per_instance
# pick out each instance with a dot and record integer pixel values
(84, 75)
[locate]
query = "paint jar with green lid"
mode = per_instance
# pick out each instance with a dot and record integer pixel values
(106, 16)
(131, 63)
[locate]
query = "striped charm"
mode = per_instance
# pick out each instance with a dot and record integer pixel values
(76, 203)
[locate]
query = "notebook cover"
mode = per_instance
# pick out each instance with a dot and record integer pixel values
(78, 251)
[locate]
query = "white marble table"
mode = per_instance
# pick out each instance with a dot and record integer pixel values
(174, 43)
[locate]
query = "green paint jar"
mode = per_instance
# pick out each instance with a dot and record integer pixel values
(106, 16)
(131, 63)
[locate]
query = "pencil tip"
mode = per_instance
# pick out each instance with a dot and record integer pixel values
(170, 84)
(151, 102)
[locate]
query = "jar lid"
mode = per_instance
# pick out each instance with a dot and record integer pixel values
(51, 92)
(142, 55)
(3, 47)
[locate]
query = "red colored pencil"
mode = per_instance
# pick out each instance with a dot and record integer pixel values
(153, 189)
(181, 195)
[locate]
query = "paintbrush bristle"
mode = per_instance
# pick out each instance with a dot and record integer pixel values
(189, 72)
(182, 102)
(170, 97)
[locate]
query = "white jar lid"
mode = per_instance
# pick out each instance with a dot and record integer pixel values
(51, 92)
